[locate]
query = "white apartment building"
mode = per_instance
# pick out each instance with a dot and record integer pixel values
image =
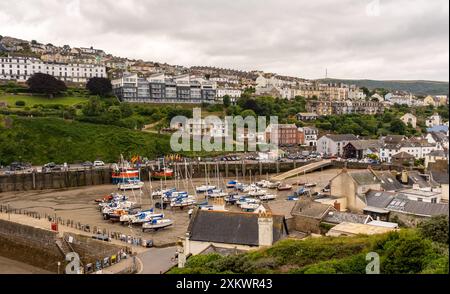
(22, 68)
(232, 92)
(202, 128)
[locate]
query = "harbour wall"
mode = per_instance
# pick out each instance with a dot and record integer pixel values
(90, 177)
(38, 247)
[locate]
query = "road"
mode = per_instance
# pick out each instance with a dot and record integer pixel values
(157, 260)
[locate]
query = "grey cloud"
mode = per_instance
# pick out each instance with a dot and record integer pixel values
(408, 40)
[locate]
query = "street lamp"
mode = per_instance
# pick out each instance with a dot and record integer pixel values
(59, 264)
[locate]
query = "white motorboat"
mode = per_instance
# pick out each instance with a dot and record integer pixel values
(156, 224)
(268, 197)
(141, 217)
(130, 185)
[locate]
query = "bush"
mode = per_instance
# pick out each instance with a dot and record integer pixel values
(435, 229)
(20, 103)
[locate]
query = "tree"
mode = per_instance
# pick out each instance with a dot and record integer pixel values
(45, 84)
(397, 127)
(248, 112)
(226, 101)
(99, 86)
(435, 228)
(94, 107)
(126, 110)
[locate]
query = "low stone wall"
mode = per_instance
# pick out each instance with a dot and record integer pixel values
(30, 245)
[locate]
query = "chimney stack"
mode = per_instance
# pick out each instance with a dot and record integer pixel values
(265, 229)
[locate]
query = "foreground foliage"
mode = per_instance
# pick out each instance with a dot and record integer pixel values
(406, 251)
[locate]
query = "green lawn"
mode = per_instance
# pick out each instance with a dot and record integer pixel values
(33, 100)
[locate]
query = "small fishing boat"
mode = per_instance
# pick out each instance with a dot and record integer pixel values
(140, 217)
(292, 198)
(268, 197)
(156, 224)
(116, 214)
(310, 185)
(231, 199)
(284, 187)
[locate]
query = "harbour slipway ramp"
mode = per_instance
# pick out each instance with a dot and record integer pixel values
(302, 170)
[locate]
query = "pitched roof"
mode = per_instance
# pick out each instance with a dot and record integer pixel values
(341, 137)
(337, 217)
(365, 177)
(440, 177)
(378, 199)
(309, 208)
(396, 202)
(365, 144)
(403, 155)
(394, 139)
(231, 227)
(389, 181)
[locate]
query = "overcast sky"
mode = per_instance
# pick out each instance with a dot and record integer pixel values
(376, 39)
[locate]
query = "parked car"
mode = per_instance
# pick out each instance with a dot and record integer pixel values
(87, 164)
(99, 163)
(101, 237)
(49, 165)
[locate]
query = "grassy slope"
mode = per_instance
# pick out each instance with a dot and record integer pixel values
(41, 140)
(33, 100)
(402, 252)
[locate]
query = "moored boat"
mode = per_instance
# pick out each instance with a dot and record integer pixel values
(156, 224)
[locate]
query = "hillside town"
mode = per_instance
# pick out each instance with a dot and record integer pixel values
(165, 209)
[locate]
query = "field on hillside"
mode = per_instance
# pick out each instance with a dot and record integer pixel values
(34, 100)
(41, 140)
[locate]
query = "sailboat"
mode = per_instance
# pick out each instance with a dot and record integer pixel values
(156, 224)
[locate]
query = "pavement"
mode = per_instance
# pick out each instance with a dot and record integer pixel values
(157, 260)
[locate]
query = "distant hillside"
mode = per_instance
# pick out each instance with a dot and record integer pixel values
(416, 87)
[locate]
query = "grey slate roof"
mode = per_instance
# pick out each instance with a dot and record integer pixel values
(365, 144)
(342, 137)
(365, 177)
(379, 199)
(309, 208)
(395, 202)
(414, 177)
(337, 217)
(231, 227)
(388, 181)
(393, 139)
(440, 177)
